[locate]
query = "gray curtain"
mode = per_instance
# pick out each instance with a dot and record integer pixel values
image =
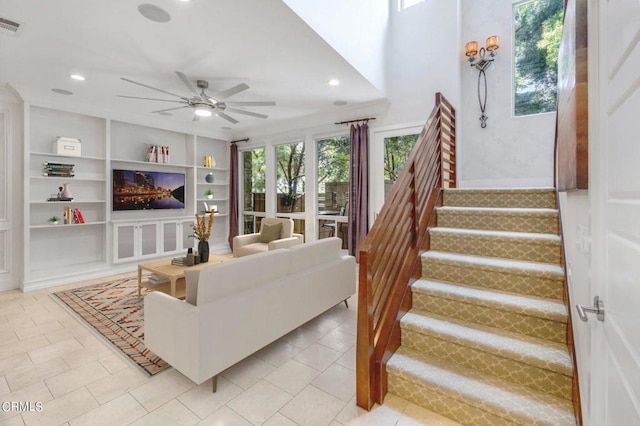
(233, 194)
(358, 187)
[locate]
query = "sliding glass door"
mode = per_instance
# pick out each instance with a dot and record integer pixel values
(333, 157)
(253, 188)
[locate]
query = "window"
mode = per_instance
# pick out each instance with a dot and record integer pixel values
(404, 4)
(333, 187)
(290, 178)
(537, 30)
(253, 179)
(396, 152)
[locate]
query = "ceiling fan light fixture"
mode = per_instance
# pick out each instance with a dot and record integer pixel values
(203, 111)
(77, 77)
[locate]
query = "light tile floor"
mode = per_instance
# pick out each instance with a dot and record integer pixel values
(305, 378)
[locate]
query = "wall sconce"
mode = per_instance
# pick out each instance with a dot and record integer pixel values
(471, 51)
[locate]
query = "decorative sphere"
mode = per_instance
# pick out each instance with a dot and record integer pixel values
(209, 178)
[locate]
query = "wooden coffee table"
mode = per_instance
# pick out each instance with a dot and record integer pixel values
(176, 286)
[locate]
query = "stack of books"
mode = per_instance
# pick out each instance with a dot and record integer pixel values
(58, 169)
(157, 154)
(179, 261)
(156, 279)
(73, 215)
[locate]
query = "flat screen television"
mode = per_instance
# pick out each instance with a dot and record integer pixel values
(143, 190)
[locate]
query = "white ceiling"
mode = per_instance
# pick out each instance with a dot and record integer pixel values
(259, 42)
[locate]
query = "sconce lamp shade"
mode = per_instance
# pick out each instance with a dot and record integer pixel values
(493, 43)
(471, 48)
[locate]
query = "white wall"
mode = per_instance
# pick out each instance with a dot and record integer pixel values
(510, 151)
(421, 58)
(576, 229)
(355, 29)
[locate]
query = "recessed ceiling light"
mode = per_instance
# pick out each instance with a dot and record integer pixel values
(334, 82)
(154, 13)
(185, 1)
(340, 103)
(62, 92)
(77, 77)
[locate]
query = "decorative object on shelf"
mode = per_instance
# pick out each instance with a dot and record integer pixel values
(157, 154)
(210, 208)
(209, 177)
(53, 220)
(190, 257)
(471, 50)
(202, 231)
(50, 169)
(209, 194)
(65, 192)
(67, 146)
(209, 161)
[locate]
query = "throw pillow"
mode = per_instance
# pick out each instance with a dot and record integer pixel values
(269, 233)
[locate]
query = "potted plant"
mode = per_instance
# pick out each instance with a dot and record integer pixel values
(209, 194)
(53, 220)
(202, 231)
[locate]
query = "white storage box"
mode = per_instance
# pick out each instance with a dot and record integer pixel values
(67, 146)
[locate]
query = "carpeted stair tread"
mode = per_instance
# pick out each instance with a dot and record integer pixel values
(528, 237)
(518, 267)
(509, 401)
(535, 247)
(536, 352)
(500, 300)
(500, 197)
(534, 220)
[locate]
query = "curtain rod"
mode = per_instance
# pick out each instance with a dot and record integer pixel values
(355, 121)
(240, 140)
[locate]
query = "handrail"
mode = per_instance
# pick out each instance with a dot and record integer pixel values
(390, 255)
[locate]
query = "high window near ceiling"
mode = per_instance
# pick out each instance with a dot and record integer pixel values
(537, 28)
(253, 184)
(290, 183)
(333, 159)
(404, 4)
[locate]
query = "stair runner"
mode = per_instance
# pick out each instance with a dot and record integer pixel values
(485, 341)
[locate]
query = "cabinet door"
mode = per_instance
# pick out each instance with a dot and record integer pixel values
(187, 242)
(170, 237)
(148, 239)
(124, 246)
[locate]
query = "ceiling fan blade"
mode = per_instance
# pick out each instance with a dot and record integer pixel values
(230, 92)
(249, 113)
(251, 103)
(149, 99)
(226, 117)
(189, 84)
(171, 109)
(152, 88)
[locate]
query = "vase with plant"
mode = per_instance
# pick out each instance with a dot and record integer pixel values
(202, 231)
(209, 194)
(53, 220)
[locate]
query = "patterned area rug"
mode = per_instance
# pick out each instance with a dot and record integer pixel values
(115, 311)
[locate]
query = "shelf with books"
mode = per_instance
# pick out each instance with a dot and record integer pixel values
(120, 160)
(68, 225)
(66, 157)
(74, 178)
(74, 201)
(219, 169)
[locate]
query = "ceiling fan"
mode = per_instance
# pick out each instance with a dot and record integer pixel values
(205, 105)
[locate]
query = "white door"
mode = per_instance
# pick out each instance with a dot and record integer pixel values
(615, 190)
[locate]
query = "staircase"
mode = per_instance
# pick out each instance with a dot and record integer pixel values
(485, 340)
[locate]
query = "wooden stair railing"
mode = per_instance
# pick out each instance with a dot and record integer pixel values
(390, 255)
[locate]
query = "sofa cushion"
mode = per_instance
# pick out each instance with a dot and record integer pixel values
(269, 233)
(223, 279)
(191, 277)
(251, 249)
(317, 252)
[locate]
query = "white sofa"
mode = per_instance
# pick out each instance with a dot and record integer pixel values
(234, 308)
(244, 245)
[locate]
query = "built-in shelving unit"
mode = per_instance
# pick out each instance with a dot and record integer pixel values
(55, 252)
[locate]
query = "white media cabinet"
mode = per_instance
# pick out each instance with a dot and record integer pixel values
(54, 253)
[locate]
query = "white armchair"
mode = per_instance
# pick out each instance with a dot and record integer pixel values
(244, 245)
